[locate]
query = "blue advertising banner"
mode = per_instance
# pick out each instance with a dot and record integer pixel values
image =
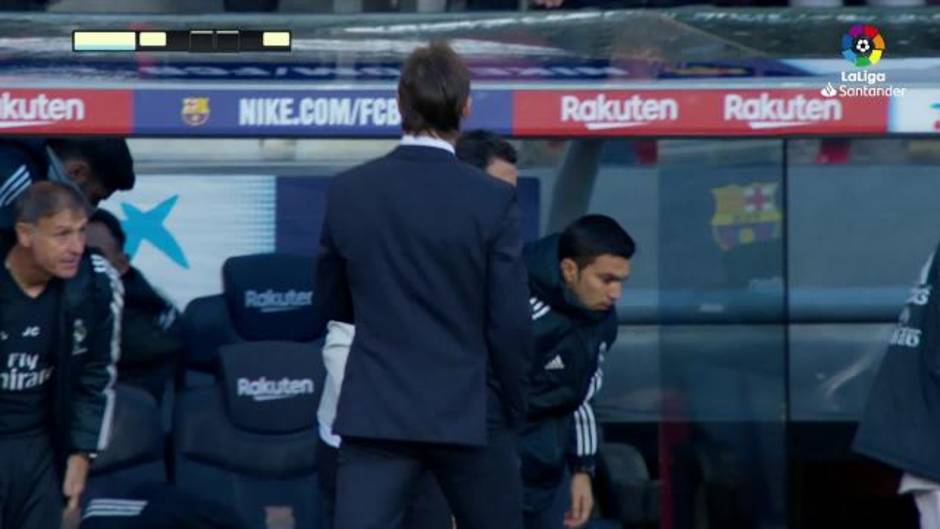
(308, 113)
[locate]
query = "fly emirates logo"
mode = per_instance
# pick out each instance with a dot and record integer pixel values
(38, 110)
(605, 113)
(24, 372)
(764, 111)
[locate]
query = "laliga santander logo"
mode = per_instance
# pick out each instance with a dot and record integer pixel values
(863, 45)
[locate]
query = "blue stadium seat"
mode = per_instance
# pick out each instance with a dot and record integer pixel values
(206, 326)
(248, 439)
(135, 455)
(265, 296)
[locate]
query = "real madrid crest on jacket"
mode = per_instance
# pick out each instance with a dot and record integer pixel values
(566, 373)
(901, 423)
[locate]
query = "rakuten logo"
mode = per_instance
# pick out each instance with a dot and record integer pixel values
(263, 390)
(766, 112)
(39, 110)
(318, 111)
(271, 301)
(601, 113)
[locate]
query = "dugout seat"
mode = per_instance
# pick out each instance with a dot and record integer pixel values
(244, 429)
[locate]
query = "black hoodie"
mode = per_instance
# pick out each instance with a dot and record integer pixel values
(565, 373)
(150, 341)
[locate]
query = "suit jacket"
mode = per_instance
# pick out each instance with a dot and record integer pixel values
(426, 251)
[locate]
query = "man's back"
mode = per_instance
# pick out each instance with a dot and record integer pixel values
(428, 242)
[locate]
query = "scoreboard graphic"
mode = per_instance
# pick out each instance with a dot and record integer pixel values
(194, 41)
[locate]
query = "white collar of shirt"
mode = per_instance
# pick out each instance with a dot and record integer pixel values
(56, 169)
(427, 141)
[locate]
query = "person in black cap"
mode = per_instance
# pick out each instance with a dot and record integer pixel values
(95, 166)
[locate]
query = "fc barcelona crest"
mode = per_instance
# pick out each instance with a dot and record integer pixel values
(195, 111)
(745, 214)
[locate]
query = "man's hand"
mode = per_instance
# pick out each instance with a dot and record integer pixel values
(76, 474)
(582, 501)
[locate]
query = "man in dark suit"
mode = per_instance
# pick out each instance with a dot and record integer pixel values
(425, 251)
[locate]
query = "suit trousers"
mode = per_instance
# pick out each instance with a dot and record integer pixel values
(428, 509)
(377, 480)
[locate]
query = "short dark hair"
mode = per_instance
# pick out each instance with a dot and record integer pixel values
(433, 90)
(481, 147)
(109, 158)
(45, 199)
(110, 222)
(591, 236)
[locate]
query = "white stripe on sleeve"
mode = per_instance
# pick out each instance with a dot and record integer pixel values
(101, 265)
(585, 422)
(14, 185)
